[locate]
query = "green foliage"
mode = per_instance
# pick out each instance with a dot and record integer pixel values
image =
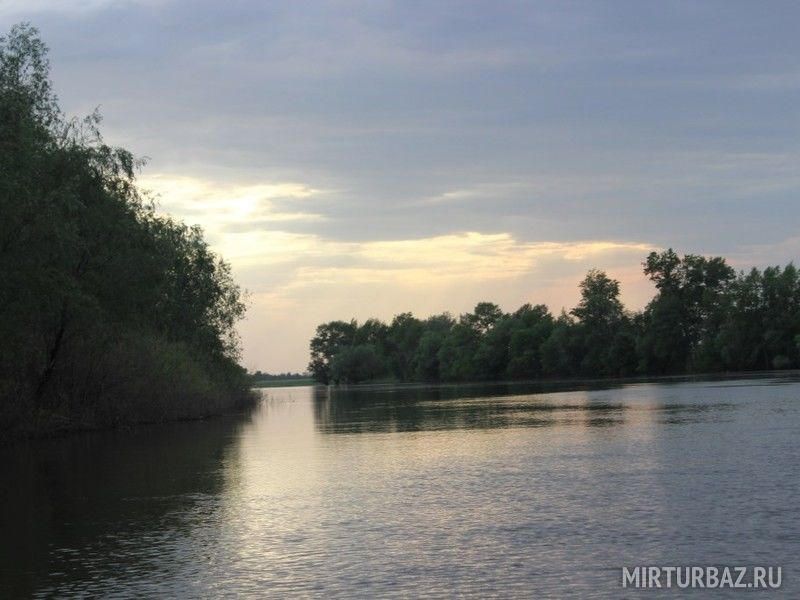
(600, 321)
(532, 326)
(458, 352)
(355, 364)
(703, 318)
(426, 359)
(560, 350)
(329, 340)
(403, 337)
(86, 262)
(485, 316)
(686, 313)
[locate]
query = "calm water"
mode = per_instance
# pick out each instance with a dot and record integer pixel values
(507, 491)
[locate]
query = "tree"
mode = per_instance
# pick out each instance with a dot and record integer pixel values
(780, 316)
(492, 355)
(532, 326)
(328, 340)
(559, 350)
(373, 332)
(89, 271)
(688, 310)
(457, 353)
(599, 306)
(741, 337)
(403, 337)
(485, 316)
(600, 317)
(354, 364)
(702, 318)
(426, 356)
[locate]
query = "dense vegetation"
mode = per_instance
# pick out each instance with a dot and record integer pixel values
(109, 312)
(704, 318)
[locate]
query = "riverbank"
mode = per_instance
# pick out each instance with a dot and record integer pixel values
(289, 382)
(567, 382)
(49, 423)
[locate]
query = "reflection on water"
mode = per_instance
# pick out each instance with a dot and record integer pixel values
(511, 490)
(102, 507)
(504, 405)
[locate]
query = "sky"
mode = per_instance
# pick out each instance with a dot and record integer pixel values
(353, 159)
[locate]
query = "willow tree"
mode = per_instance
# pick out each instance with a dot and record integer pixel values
(109, 312)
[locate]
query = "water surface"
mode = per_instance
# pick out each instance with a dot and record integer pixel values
(504, 490)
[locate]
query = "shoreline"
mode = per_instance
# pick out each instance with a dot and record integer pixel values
(718, 375)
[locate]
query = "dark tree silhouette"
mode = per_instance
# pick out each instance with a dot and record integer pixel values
(703, 318)
(109, 312)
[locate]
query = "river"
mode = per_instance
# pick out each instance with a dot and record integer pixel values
(415, 491)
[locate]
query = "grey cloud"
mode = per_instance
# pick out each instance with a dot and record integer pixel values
(684, 113)
(662, 123)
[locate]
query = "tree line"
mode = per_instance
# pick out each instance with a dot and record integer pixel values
(704, 317)
(109, 312)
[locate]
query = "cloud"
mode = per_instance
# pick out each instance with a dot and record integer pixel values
(308, 279)
(229, 208)
(467, 256)
(12, 8)
(767, 255)
(358, 157)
